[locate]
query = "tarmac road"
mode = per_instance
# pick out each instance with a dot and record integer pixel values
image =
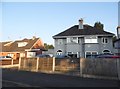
(36, 79)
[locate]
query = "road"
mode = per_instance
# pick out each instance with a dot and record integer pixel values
(36, 79)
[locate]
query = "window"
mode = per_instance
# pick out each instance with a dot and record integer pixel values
(31, 54)
(91, 54)
(106, 52)
(91, 39)
(60, 41)
(59, 52)
(21, 44)
(68, 40)
(72, 40)
(75, 40)
(104, 40)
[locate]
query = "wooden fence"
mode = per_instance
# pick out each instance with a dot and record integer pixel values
(37, 64)
(66, 65)
(9, 63)
(100, 67)
(80, 67)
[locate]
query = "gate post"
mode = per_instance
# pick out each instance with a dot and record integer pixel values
(19, 63)
(53, 66)
(81, 59)
(12, 61)
(37, 64)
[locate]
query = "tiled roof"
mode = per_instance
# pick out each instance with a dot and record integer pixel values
(13, 47)
(88, 30)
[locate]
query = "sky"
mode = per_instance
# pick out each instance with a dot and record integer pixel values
(45, 19)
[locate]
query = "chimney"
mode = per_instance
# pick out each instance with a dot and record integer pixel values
(33, 37)
(80, 24)
(118, 32)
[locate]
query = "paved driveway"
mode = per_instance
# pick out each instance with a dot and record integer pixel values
(53, 80)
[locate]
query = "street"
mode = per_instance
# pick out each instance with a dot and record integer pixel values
(37, 79)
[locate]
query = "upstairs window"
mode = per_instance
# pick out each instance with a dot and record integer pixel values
(60, 41)
(104, 40)
(22, 44)
(72, 40)
(91, 39)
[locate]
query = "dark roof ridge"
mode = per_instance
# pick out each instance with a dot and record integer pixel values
(88, 30)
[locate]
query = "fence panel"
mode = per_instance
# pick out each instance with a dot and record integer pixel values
(34, 64)
(102, 67)
(68, 66)
(45, 64)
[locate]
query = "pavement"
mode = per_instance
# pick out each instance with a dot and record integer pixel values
(17, 78)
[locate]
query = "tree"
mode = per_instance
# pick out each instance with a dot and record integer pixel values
(99, 25)
(47, 46)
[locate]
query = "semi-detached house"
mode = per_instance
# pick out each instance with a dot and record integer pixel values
(83, 41)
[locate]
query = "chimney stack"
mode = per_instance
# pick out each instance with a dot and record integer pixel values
(80, 24)
(33, 37)
(118, 32)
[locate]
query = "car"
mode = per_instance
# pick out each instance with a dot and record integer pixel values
(108, 56)
(43, 55)
(62, 56)
(5, 58)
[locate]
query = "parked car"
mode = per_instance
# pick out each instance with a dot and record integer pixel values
(62, 56)
(108, 56)
(5, 58)
(43, 55)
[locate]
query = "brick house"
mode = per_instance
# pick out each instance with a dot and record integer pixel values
(22, 48)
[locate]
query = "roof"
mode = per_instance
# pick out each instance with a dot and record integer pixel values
(13, 46)
(88, 30)
(117, 40)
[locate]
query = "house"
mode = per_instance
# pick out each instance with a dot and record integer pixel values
(117, 42)
(22, 48)
(83, 41)
(49, 52)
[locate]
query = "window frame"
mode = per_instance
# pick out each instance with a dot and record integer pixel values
(91, 39)
(104, 39)
(60, 41)
(106, 52)
(90, 53)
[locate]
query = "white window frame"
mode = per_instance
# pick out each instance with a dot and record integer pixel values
(91, 39)
(90, 52)
(59, 53)
(31, 54)
(22, 44)
(72, 40)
